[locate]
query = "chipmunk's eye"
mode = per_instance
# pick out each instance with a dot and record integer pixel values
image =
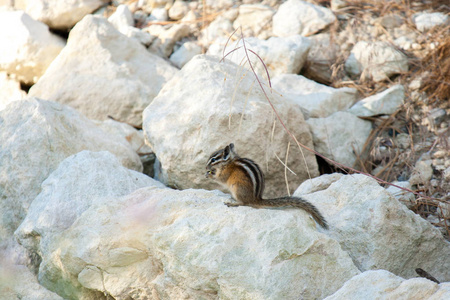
(213, 160)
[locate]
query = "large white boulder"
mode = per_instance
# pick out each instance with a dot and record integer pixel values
(300, 17)
(220, 106)
(382, 284)
(317, 100)
(35, 136)
(26, 46)
(375, 60)
(378, 231)
(384, 103)
(61, 15)
(80, 181)
(101, 72)
(281, 55)
(9, 90)
(339, 136)
(160, 243)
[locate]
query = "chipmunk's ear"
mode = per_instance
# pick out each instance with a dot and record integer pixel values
(228, 152)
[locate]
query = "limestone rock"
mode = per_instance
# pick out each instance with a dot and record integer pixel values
(339, 135)
(219, 5)
(185, 53)
(101, 72)
(390, 21)
(220, 107)
(382, 284)
(129, 134)
(375, 60)
(122, 19)
(379, 232)
(221, 28)
(426, 21)
(9, 90)
(80, 181)
(27, 48)
(163, 44)
(300, 17)
(405, 197)
(255, 20)
(281, 55)
(384, 103)
(178, 10)
(317, 100)
(317, 184)
(9, 4)
(322, 55)
(158, 14)
(149, 5)
(149, 244)
(61, 15)
(35, 136)
(17, 282)
(422, 172)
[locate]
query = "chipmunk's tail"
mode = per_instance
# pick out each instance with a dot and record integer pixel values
(298, 203)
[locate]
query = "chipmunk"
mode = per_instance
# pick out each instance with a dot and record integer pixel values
(245, 180)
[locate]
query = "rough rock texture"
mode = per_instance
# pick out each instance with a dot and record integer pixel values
(178, 10)
(17, 282)
(129, 134)
(164, 43)
(300, 17)
(322, 55)
(422, 172)
(382, 284)
(27, 47)
(316, 100)
(80, 181)
(384, 103)
(101, 72)
(221, 27)
(58, 14)
(9, 90)
(339, 136)
(426, 21)
(281, 55)
(122, 19)
(379, 232)
(149, 244)
(405, 197)
(35, 136)
(255, 20)
(185, 53)
(220, 107)
(375, 60)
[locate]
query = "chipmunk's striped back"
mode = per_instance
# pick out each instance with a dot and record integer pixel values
(254, 172)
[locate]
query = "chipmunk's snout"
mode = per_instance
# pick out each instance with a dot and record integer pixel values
(209, 173)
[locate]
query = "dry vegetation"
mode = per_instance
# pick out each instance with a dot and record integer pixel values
(423, 120)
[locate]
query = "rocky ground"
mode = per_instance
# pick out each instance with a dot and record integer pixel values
(97, 97)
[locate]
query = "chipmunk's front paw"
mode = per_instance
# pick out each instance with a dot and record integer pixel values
(231, 204)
